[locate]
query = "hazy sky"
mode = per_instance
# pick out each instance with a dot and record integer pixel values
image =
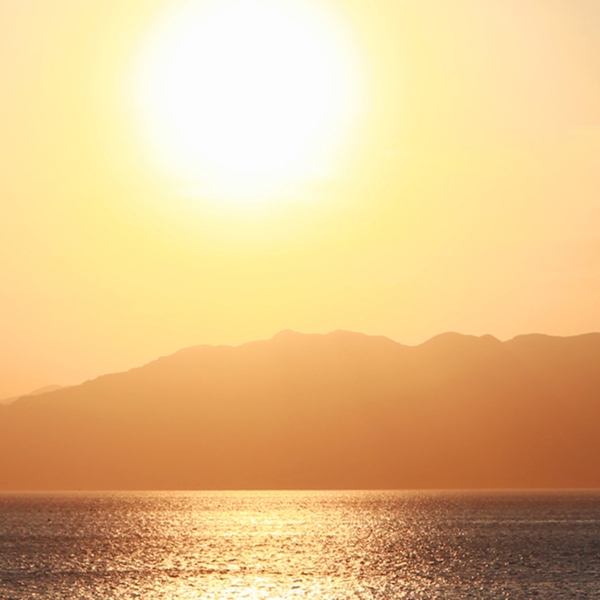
(463, 193)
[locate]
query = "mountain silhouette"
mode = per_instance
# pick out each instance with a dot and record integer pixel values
(336, 411)
(36, 392)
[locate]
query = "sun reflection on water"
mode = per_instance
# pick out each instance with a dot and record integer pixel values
(292, 545)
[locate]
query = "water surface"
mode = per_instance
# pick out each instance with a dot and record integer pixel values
(310, 545)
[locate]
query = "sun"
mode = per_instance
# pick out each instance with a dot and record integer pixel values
(247, 88)
(246, 93)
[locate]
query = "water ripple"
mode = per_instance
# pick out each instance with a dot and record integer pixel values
(309, 545)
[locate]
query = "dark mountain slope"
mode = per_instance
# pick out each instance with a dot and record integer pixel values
(342, 410)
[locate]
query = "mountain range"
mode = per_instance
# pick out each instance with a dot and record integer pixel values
(308, 411)
(36, 392)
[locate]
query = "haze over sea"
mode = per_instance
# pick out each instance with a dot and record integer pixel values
(310, 545)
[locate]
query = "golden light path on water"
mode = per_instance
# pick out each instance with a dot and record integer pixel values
(292, 545)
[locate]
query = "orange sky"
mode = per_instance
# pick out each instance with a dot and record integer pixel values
(466, 198)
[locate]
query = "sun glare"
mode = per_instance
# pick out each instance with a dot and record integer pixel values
(238, 95)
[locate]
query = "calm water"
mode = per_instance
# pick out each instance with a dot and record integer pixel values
(325, 545)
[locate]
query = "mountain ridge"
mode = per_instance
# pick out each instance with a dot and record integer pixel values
(37, 392)
(337, 410)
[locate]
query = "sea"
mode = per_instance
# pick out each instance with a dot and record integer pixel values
(300, 545)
